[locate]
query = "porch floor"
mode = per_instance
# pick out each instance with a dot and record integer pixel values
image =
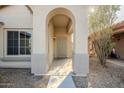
(60, 74)
(60, 67)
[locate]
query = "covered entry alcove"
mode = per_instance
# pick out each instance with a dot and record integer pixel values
(60, 41)
(48, 23)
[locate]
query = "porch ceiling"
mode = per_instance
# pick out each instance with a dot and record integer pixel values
(61, 21)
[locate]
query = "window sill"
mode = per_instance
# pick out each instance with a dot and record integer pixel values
(17, 58)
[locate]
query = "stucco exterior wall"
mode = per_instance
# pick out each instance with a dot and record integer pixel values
(39, 55)
(20, 17)
(59, 32)
(51, 42)
(62, 32)
(69, 46)
(16, 17)
(120, 46)
(41, 12)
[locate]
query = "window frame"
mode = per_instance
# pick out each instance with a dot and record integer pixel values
(6, 41)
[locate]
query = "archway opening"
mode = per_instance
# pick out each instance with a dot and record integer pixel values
(60, 41)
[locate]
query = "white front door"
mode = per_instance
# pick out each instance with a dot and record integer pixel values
(61, 46)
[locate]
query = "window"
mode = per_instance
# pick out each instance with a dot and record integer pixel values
(18, 43)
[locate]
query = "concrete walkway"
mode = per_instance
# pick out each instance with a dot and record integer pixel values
(61, 82)
(60, 74)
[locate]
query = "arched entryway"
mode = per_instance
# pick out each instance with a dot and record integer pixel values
(60, 29)
(40, 47)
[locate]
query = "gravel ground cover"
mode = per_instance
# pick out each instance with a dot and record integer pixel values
(21, 78)
(101, 77)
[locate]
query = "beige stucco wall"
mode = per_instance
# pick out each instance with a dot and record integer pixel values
(79, 14)
(69, 46)
(120, 46)
(54, 34)
(62, 32)
(51, 42)
(59, 32)
(59, 40)
(14, 17)
(41, 13)
(39, 55)
(20, 17)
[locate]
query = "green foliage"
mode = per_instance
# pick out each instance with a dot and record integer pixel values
(103, 17)
(100, 27)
